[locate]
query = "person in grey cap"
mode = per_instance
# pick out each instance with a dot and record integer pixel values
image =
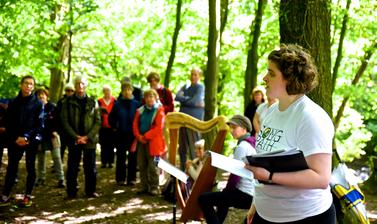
(239, 191)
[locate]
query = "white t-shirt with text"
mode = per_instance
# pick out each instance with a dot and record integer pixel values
(305, 126)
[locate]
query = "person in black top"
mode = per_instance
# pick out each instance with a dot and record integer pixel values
(24, 123)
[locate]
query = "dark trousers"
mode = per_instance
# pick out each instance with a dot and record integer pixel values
(90, 172)
(1, 155)
(63, 145)
(15, 154)
(106, 136)
(122, 171)
(149, 172)
(187, 139)
(327, 217)
(222, 201)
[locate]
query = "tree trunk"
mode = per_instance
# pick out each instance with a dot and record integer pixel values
(252, 54)
(340, 47)
(222, 74)
(355, 80)
(307, 23)
(61, 48)
(211, 77)
(178, 26)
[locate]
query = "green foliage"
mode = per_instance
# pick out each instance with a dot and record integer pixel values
(114, 38)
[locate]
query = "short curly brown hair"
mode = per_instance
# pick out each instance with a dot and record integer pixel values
(297, 67)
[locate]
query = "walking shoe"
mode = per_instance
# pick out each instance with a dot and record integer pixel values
(26, 202)
(142, 191)
(39, 182)
(131, 183)
(154, 192)
(93, 195)
(61, 184)
(4, 200)
(121, 183)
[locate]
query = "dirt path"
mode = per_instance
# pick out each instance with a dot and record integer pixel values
(117, 204)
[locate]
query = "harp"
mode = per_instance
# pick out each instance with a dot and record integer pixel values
(175, 120)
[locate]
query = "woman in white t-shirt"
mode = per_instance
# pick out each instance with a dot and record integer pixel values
(296, 122)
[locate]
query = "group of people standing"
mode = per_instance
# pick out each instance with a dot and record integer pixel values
(132, 124)
(293, 122)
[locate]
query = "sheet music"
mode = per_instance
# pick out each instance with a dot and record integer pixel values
(234, 166)
(172, 170)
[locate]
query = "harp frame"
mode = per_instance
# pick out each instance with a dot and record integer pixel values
(175, 120)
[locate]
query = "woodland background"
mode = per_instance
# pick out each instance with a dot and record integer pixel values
(229, 39)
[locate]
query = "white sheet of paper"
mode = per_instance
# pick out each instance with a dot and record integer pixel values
(234, 166)
(172, 170)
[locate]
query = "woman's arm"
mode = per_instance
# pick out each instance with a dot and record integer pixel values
(317, 176)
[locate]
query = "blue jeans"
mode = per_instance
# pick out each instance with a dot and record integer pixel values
(90, 171)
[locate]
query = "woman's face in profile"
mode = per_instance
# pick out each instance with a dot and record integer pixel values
(274, 81)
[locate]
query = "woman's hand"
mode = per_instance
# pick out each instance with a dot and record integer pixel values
(259, 172)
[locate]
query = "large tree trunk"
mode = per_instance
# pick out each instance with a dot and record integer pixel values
(57, 79)
(252, 54)
(222, 74)
(307, 23)
(211, 77)
(178, 26)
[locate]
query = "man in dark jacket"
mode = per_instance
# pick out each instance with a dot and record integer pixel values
(81, 122)
(24, 123)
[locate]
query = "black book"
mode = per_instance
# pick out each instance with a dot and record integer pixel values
(280, 161)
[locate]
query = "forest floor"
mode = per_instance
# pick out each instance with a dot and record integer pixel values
(117, 204)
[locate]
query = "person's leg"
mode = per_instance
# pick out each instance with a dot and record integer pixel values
(131, 160)
(14, 157)
(192, 136)
(142, 153)
(74, 158)
(153, 175)
(41, 156)
(207, 202)
(110, 146)
(58, 165)
(31, 153)
(131, 175)
(63, 146)
(233, 198)
(120, 168)
(1, 154)
(90, 171)
(102, 139)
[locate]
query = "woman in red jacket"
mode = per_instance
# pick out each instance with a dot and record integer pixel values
(148, 130)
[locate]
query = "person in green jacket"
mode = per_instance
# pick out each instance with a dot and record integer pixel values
(81, 122)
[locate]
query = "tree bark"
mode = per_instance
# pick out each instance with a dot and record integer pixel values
(222, 74)
(340, 47)
(252, 54)
(307, 23)
(178, 26)
(57, 79)
(211, 76)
